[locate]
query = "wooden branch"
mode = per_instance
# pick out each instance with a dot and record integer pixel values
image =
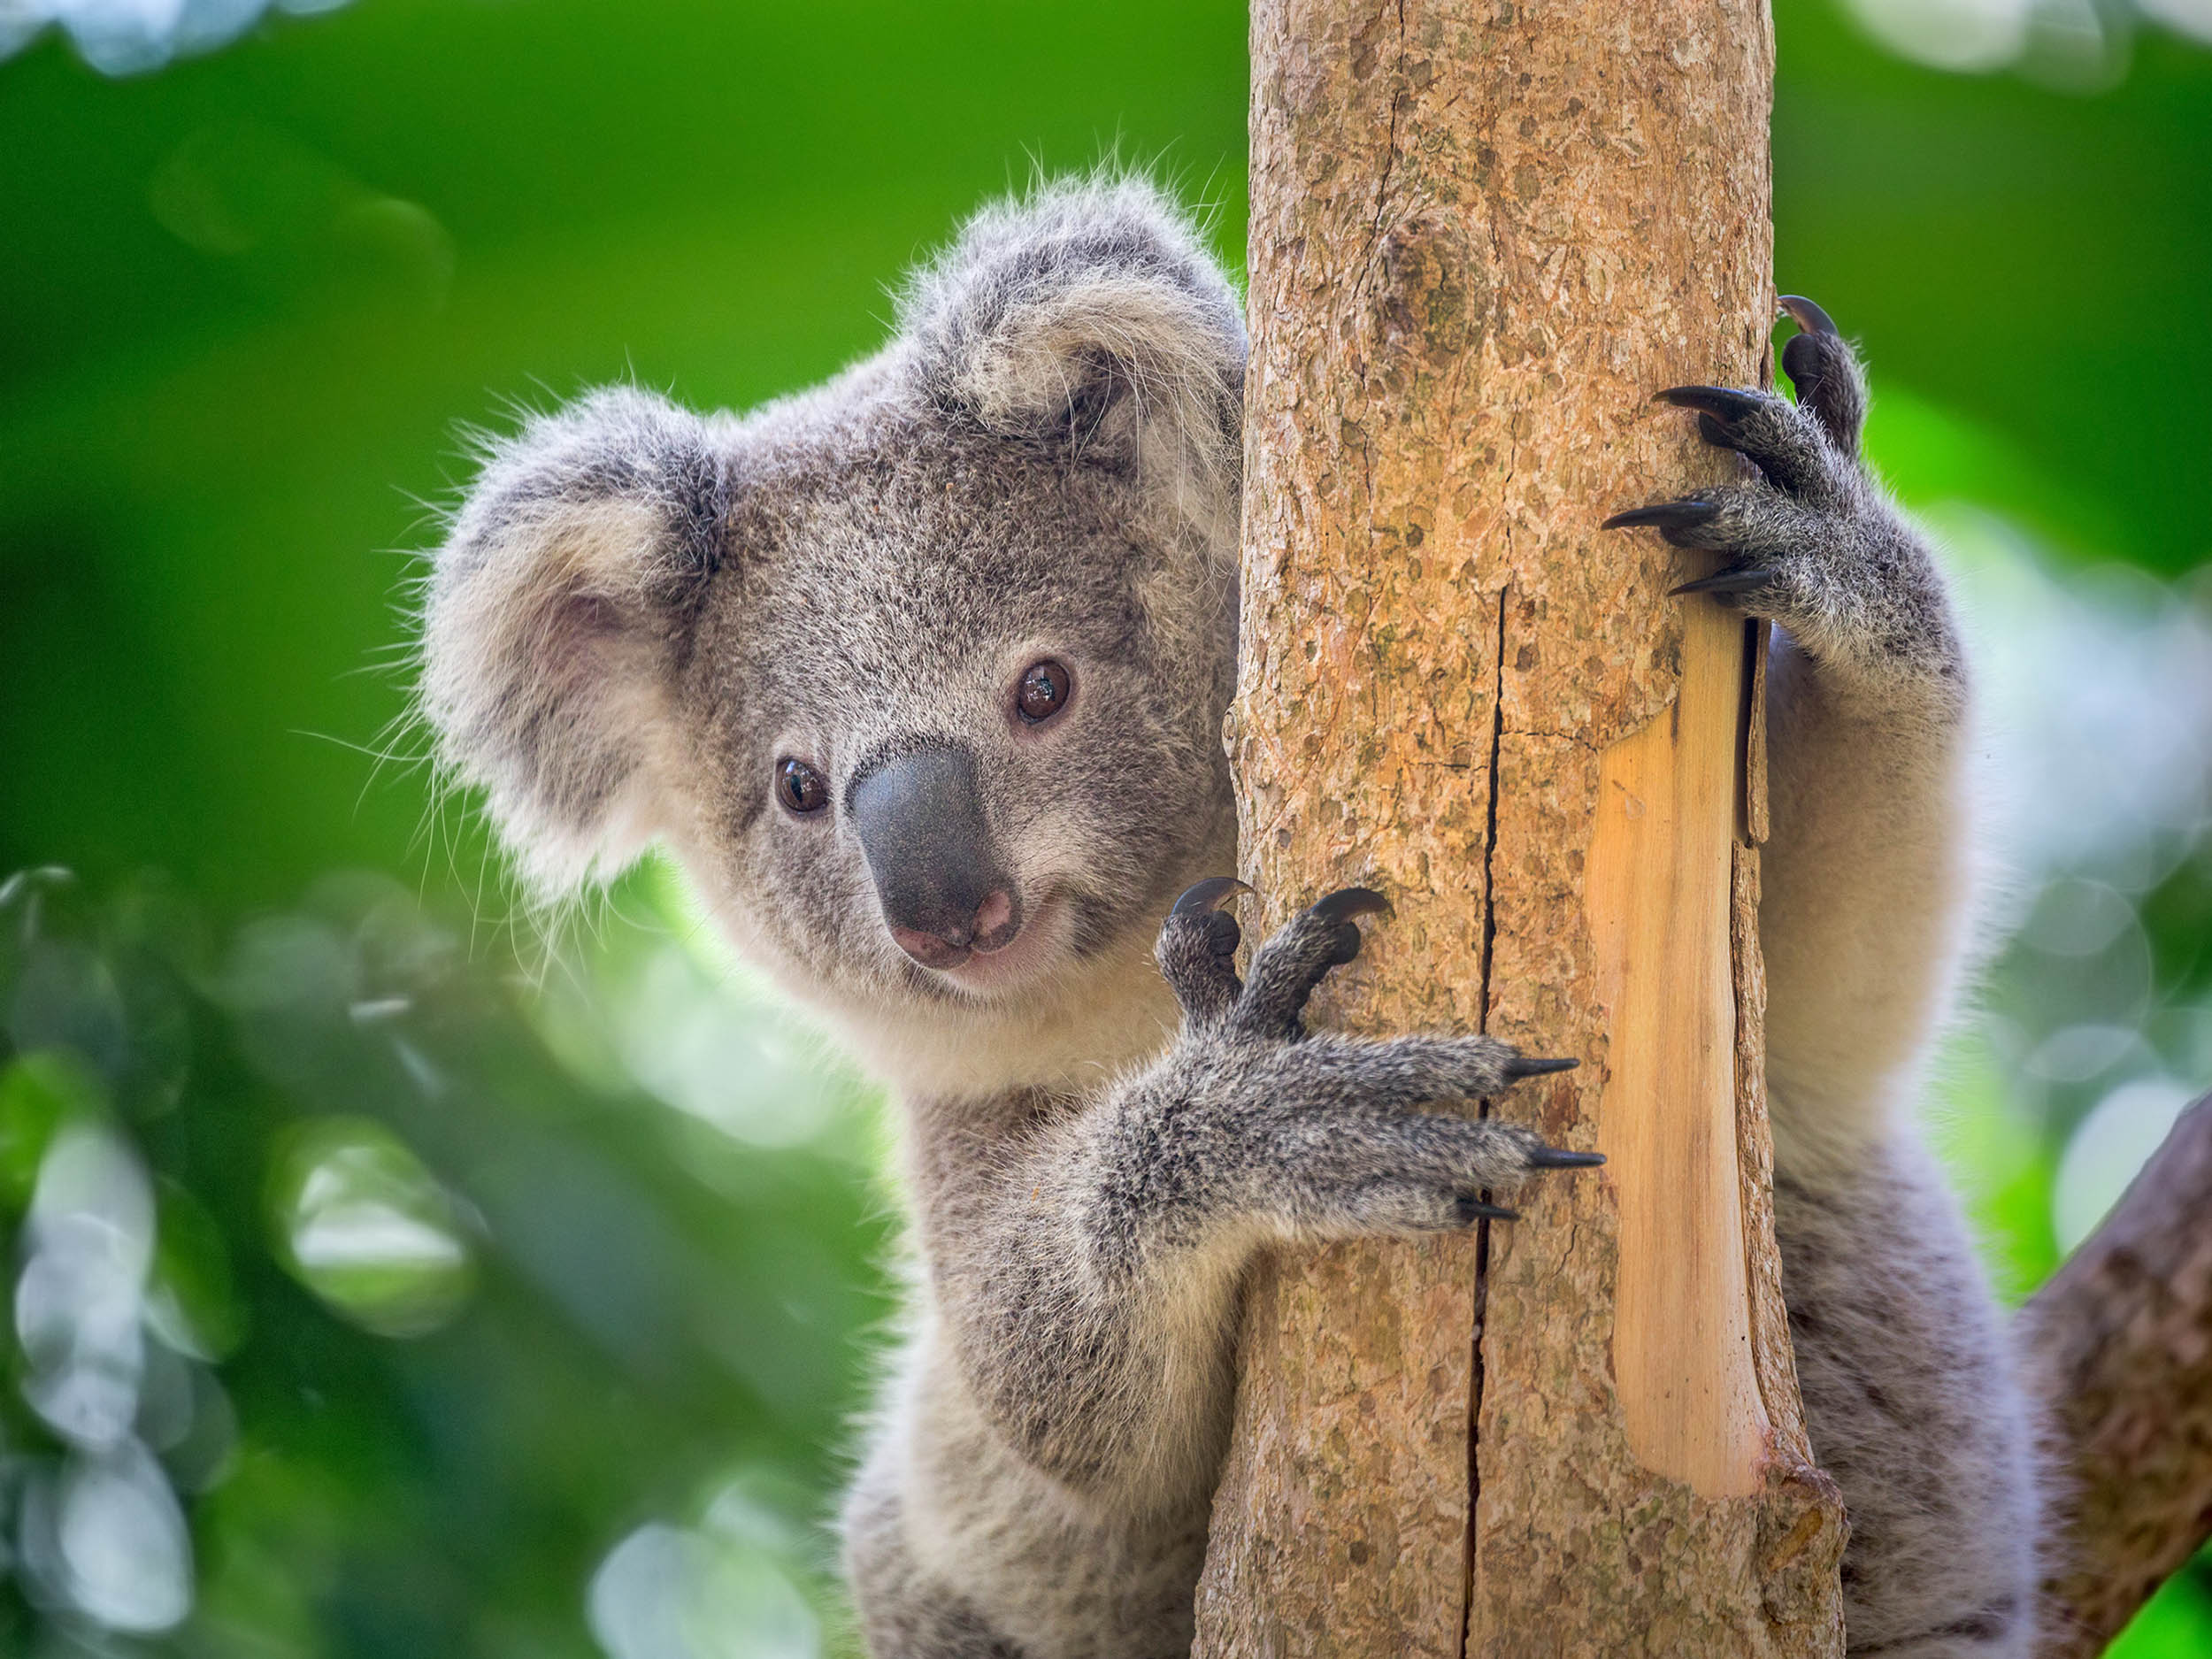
(2122, 1340)
(1482, 236)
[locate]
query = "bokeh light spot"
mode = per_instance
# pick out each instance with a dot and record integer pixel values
(363, 1224)
(2109, 1147)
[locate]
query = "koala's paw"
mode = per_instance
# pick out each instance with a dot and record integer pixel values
(1815, 544)
(1336, 1127)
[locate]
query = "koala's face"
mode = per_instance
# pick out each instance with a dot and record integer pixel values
(921, 674)
(953, 710)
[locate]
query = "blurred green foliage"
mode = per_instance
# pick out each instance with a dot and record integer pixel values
(466, 1296)
(334, 1130)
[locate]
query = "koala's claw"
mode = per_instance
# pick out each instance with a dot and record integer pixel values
(1694, 523)
(1470, 1209)
(1721, 402)
(1560, 1158)
(1666, 515)
(1521, 1065)
(1808, 316)
(1339, 907)
(1198, 943)
(1346, 903)
(1784, 443)
(1208, 895)
(1418, 1173)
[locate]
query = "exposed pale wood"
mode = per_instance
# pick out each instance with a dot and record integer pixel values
(1757, 637)
(2122, 1336)
(1657, 900)
(1482, 236)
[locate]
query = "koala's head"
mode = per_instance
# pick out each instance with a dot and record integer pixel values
(921, 673)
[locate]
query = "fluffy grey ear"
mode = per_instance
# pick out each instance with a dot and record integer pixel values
(554, 617)
(1091, 318)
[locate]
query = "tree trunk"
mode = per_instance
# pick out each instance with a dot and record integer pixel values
(1482, 236)
(2123, 1338)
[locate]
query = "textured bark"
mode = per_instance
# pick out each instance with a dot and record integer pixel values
(2123, 1338)
(1482, 236)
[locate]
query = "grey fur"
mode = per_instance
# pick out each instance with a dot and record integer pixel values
(640, 611)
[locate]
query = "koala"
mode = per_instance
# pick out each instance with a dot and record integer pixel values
(920, 675)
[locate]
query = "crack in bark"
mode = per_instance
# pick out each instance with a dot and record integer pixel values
(1490, 835)
(1482, 1228)
(1474, 1431)
(1390, 149)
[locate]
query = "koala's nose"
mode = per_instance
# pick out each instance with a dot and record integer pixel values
(920, 823)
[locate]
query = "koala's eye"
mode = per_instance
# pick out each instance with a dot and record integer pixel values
(800, 787)
(1043, 691)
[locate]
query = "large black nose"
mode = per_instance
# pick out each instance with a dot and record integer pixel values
(921, 824)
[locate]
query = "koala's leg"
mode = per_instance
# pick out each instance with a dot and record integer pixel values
(1066, 1408)
(1910, 1388)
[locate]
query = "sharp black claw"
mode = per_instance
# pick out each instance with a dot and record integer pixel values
(1665, 515)
(1560, 1158)
(1808, 316)
(1743, 581)
(1346, 903)
(1714, 400)
(1525, 1065)
(1210, 895)
(1472, 1208)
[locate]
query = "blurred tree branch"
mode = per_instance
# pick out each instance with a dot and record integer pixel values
(2122, 1339)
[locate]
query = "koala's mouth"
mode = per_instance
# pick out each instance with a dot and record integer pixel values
(1022, 962)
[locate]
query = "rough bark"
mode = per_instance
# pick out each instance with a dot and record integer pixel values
(1482, 236)
(2122, 1336)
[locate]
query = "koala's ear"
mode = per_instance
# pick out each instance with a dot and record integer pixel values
(555, 617)
(1090, 317)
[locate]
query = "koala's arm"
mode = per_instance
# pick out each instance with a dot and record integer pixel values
(1866, 874)
(1086, 1267)
(1911, 1394)
(1865, 879)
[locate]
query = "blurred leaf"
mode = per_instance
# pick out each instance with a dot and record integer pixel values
(193, 1289)
(363, 1224)
(39, 1092)
(2178, 1622)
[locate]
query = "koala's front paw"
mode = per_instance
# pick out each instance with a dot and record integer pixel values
(1816, 545)
(1334, 1128)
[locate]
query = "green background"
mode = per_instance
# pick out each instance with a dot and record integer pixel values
(247, 303)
